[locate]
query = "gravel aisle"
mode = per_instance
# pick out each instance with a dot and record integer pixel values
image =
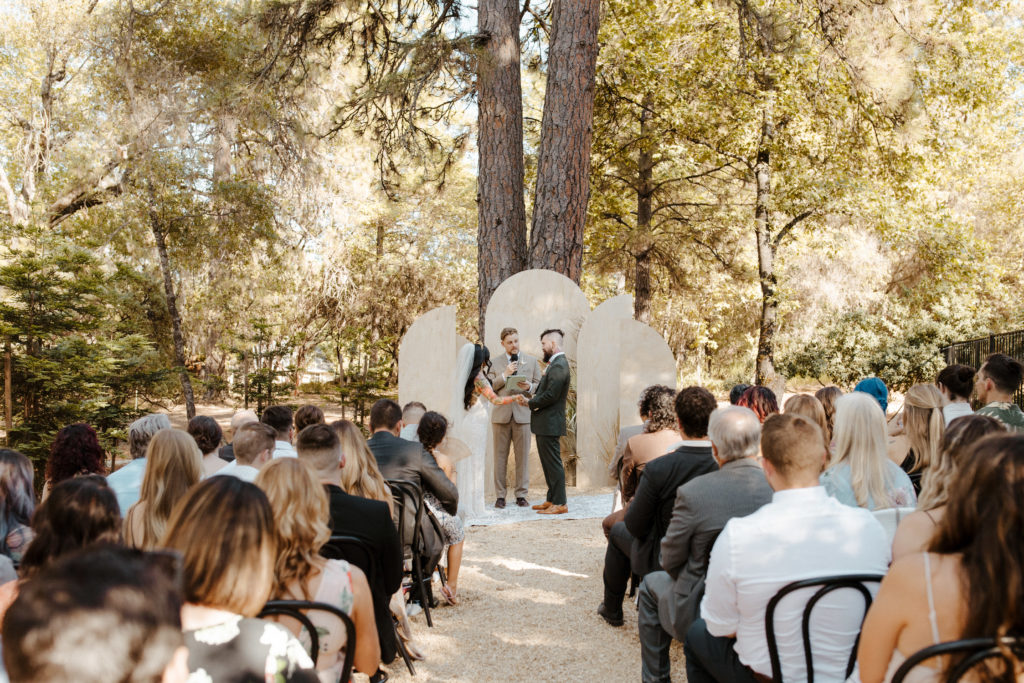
(528, 599)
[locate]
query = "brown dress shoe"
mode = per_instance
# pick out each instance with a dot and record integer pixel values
(554, 510)
(522, 502)
(500, 503)
(543, 506)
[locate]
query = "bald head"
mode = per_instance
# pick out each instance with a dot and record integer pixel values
(243, 417)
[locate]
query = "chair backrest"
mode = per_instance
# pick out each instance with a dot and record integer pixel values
(826, 585)
(297, 609)
(405, 493)
(890, 518)
(977, 650)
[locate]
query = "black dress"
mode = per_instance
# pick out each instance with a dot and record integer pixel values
(915, 477)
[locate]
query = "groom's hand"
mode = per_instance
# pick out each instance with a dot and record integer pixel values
(522, 400)
(525, 386)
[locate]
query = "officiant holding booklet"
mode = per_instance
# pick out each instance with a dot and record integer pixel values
(512, 373)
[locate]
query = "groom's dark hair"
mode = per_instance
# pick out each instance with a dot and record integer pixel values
(385, 414)
(553, 330)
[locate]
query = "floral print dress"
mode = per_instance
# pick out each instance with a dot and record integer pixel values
(243, 650)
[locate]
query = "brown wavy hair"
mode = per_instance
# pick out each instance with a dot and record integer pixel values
(174, 464)
(300, 509)
(828, 397)
(954, 449)
(984, 524)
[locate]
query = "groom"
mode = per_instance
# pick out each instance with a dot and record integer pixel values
(547, 421)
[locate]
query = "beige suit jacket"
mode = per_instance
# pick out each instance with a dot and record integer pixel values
(528, 367)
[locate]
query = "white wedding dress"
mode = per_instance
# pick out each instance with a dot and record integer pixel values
(473, 427)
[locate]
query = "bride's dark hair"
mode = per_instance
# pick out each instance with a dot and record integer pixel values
(481, 360)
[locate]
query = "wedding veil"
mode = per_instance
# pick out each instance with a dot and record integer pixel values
(463, 366)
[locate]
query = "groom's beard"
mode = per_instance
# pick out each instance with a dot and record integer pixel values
(547, 356)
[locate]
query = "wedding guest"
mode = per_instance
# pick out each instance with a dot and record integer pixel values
(238, 420)
(797, 530)
(998, 379)
(761, 400)
(828, 397)
(75, 451)
(811, 408)
(628, 432)
(17, 502)
(174, 464)
(63, 624)
(126, 482)
(915, 530)
(207, 435)
(280, 419)
(956, 382)
(299, 505)
(308, 415)
(359, 474)
(860, 473)
(924, 424)
(432, 429)
(253, 448)
(874, 387)
(947, 592)
(224, 530)
(736, 393)
(659, 436)
(411, 414)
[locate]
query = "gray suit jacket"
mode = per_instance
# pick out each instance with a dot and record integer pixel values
(528, 367)
(703, 506)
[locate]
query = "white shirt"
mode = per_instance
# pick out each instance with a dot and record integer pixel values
(409, 433)
(552, 359)
(126, 483)
(233, 469)
(801, 534)
(283, 449)
(955, 410)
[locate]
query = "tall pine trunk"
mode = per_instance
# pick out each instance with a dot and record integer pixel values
(563, 165)
(501, 211)
(644, 194)
(765, 371)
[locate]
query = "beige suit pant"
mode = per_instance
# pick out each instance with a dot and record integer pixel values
(518, 436)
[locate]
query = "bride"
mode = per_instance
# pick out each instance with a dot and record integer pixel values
(471, 421)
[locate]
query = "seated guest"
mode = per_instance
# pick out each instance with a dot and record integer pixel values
(736, 393)
(657, 439)
(860, 473)
(369, 520)
(173, 466)
(432, 429)
(670, 599)
(924, 424)
(359, 475)
(240, 418)
(253, 446)
(948, 592)
(811, 408)
(207, 435)
(61, 627)
(628, 432)
(411, 414)
(127, 481)
(956, 382)
(75, 451)
(401, 459)
(633, 542)
(999, 378)
(915, 530)
(874, 387)
(308, 415)
(17, 502)
(801, 534)
(280, 419)
(761, 400)
(828, 397)
(224, 530)
(301, 573)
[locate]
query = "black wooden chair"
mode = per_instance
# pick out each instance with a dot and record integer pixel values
(357, 552)
(976, 650)
(409, 493)
(825, 586)
(297, 609)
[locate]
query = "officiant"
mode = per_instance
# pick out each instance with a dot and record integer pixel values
(510, 424)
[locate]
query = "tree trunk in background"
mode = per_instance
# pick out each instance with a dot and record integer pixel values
(563, 164)
(172, 309)
(8, 394)
(501, 211)
(765, 371)
(645, 190)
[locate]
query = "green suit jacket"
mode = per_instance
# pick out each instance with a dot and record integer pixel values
(547, 407)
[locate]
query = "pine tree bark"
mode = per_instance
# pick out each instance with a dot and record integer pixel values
(8, 394)
(765, 370)
(501, 210)
(644, 195)
(563, 165)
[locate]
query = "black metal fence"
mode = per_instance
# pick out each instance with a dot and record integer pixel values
(974, 351)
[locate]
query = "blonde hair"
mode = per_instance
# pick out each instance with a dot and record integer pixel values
(360, 476)
(224, 530)
(860, 442)
(174, 464)
(924, 423)
(955, 450)
(811, 408)
(300, 509)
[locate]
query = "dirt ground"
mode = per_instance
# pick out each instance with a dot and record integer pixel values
(528, 599)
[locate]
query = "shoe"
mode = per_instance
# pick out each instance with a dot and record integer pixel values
(449, 595)
(543, 506)
(522, 502)
(613, 618)
(412, 609)
(554, 510)
(500, 503)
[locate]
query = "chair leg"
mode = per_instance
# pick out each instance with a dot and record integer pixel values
(402, 649)
(417, 571)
